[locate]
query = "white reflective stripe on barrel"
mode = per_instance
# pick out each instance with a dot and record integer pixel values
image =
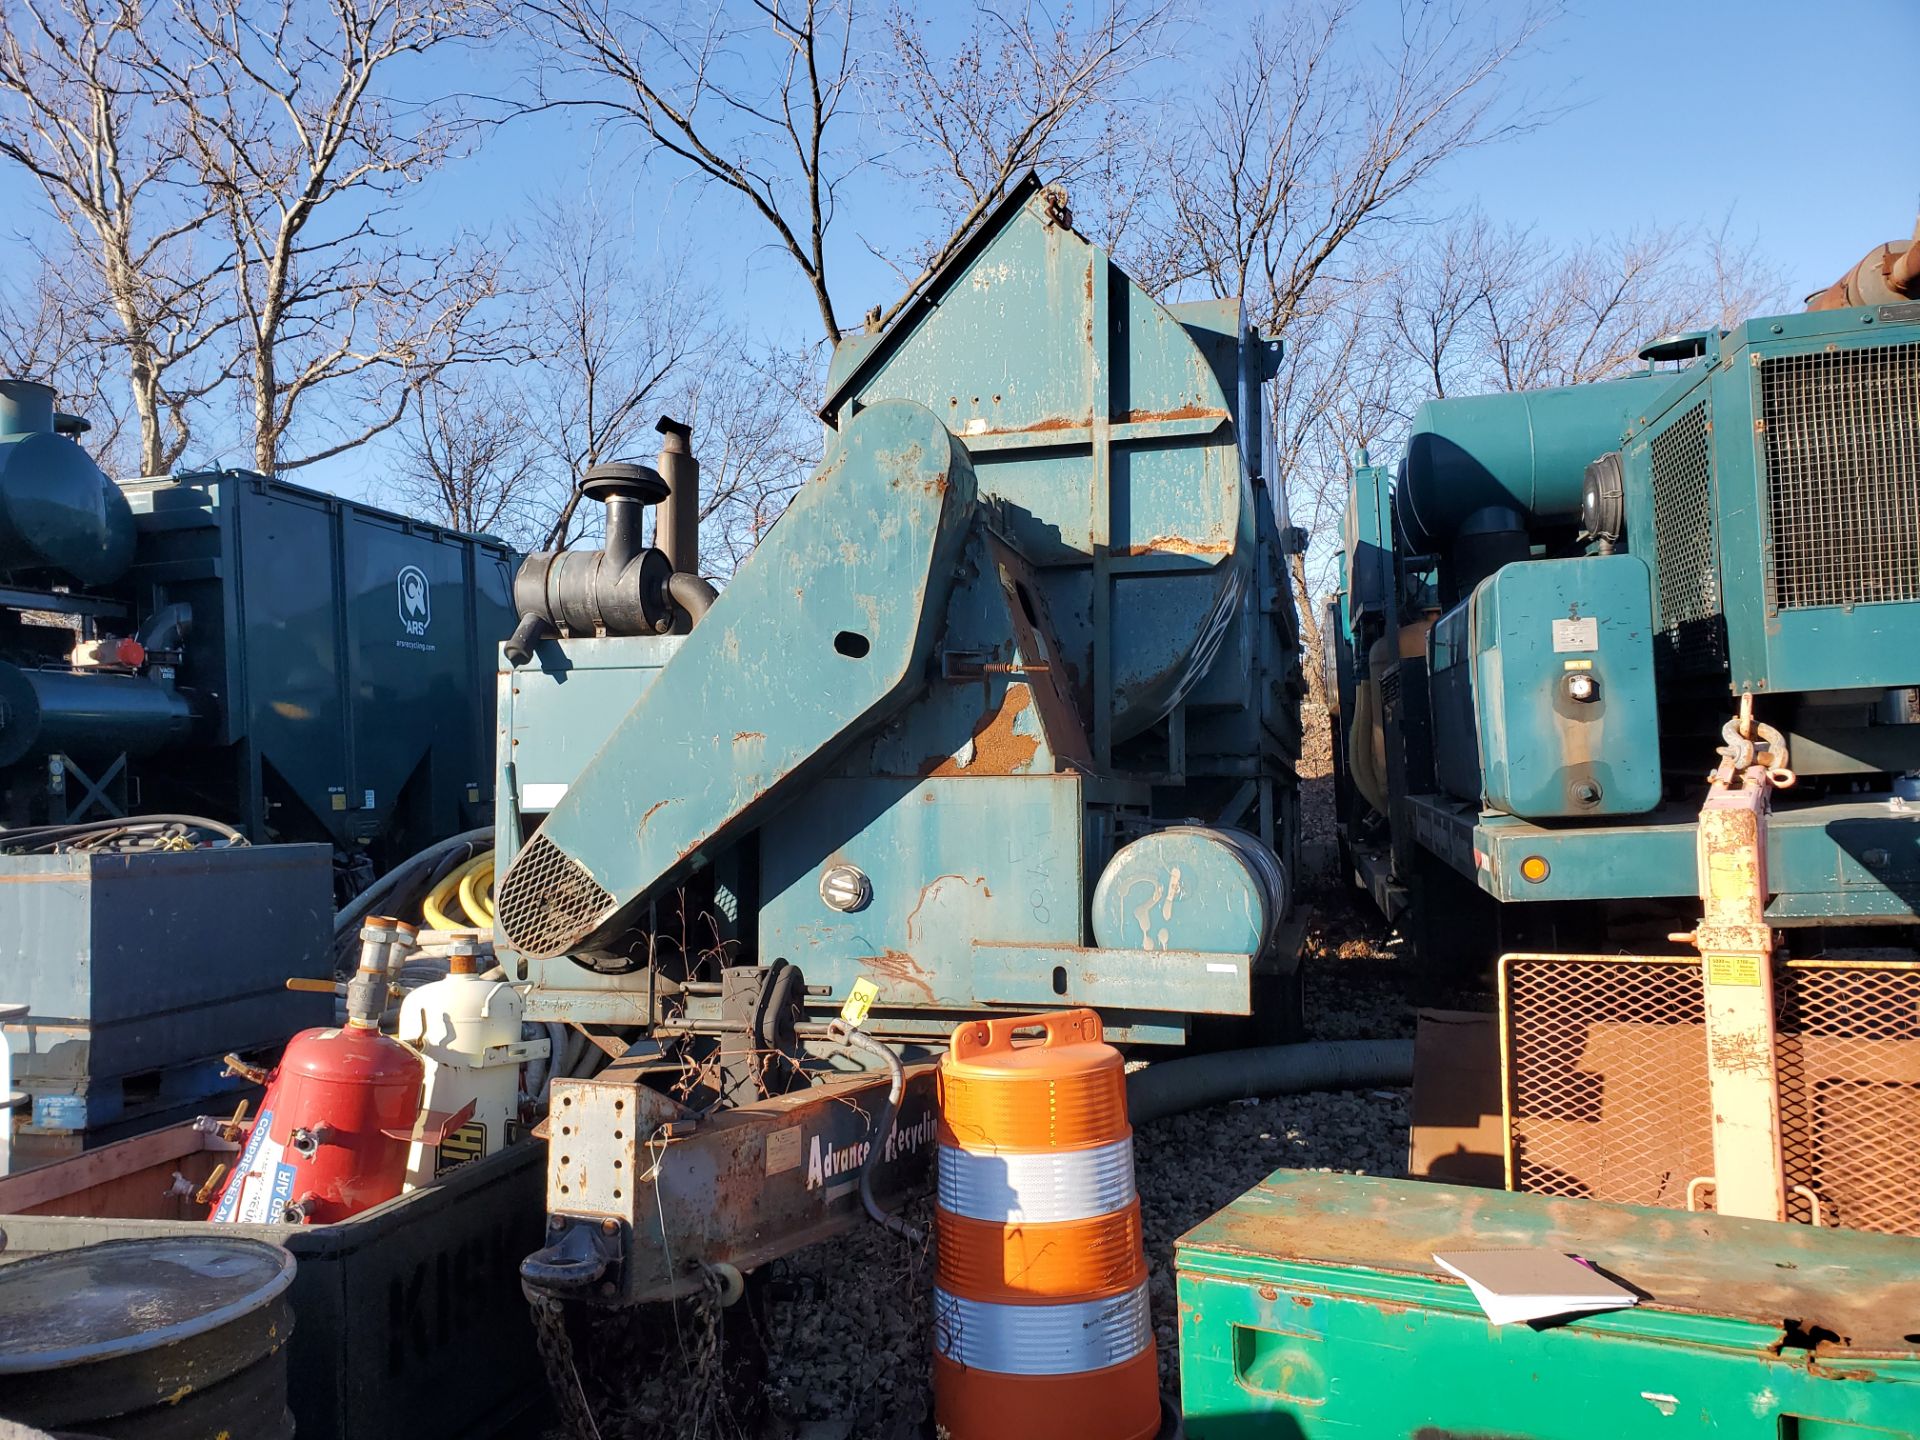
(1064, 1339)
(1037, 1188)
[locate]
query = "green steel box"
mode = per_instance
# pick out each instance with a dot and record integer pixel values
(1311, 1307)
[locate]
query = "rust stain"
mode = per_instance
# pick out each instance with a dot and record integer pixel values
(743, 735)
(1184, 412)
(997, 748)
(1038, 427)
(1178, 545)
(900, 968)
(926, 894)
(653, 807)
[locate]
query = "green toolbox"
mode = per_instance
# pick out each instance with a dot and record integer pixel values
(1311, 1306)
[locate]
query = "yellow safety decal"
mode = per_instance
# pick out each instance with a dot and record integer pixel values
(1733, 970)
(469, 1142)
(859, 1000)
(1576, 664)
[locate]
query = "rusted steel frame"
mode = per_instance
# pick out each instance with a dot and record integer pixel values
(681, 1193)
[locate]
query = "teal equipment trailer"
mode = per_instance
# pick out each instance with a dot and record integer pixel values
(1001, 715)
(1550, 608)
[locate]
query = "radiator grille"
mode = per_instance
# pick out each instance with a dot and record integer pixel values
(1607, 1083)
(548, 902)
(1685, 551)
(1842, 432)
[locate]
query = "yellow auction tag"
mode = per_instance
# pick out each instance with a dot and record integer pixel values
(859, 1001)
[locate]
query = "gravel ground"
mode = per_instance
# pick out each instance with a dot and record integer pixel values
(848, 1325)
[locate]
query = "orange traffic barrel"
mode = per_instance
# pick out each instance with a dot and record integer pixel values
(1041, 1327)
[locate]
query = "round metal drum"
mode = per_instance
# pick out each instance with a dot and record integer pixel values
(1190, 887)
(165, 1339)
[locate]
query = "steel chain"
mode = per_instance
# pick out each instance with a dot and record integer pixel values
(563, 1375)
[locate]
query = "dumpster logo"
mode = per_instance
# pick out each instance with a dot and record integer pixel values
(416, 601)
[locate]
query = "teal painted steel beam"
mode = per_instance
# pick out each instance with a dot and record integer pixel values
(1826, 860)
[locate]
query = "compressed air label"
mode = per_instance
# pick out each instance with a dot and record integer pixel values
(859, 1001)
(259, 1177)
(1733, 970)
(1576, 635)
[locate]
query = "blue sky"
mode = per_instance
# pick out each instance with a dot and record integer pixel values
(1791, 118)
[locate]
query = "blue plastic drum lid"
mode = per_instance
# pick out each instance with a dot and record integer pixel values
(1190, 887)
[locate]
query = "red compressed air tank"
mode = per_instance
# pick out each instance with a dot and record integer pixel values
(335, 1125)
(332, 1135)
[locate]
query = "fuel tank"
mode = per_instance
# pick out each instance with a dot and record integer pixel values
(57, 510)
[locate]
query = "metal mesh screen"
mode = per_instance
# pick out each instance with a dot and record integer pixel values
(1849, 1065)
(1842, 432)
(1606, 1072)
(547, 901)
(1606, 1063)
(1685, 552)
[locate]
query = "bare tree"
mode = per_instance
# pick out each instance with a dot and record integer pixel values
(51, 331)
(1482, 308)
(473, 459)
(745, 94)
(289, 121)
(1308, 143)
(1309, 146)
(1024, 89)
(752, 409)
(612, 339)
(83, 112)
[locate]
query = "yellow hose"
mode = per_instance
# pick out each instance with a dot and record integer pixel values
(473, 899)
(476, 892)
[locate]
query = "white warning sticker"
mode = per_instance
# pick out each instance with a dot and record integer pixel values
(259, 1179)
(1582, 633)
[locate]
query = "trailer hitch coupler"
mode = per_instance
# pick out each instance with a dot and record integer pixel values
(576, 1261)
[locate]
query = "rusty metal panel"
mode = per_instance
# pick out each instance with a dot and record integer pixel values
(676, 1192)
(1604, 1059)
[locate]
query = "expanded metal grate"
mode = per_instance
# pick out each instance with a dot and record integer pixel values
(547, 902)
(1685, 551)
(1607, 1089)
(1842, 433)
(1849, 1065)
(1606, 1065)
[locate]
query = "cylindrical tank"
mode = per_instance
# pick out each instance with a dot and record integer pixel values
(57, 511)
(453, 1023)
(1041, 1326)
(164, 1339)
(1526, 451)
(79, 713)
(1191, 887)
(333, 1130)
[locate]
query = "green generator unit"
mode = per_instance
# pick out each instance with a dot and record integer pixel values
(1311, 1307)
